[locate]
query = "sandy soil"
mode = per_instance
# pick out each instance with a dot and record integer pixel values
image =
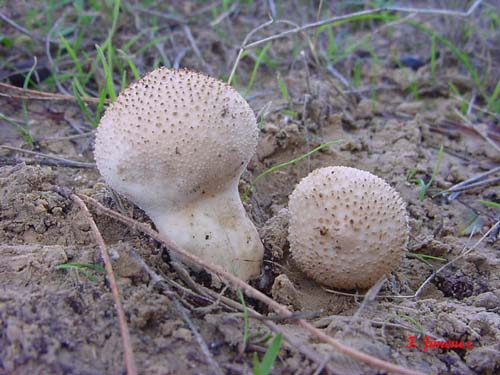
(61, 322)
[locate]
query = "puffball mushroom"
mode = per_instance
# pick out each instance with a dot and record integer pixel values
(347, 227)
(176, 143)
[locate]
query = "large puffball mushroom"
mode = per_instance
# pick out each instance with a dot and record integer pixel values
(347, 228)
(176, 143)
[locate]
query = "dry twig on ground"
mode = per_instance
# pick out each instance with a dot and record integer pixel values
(57, 160)
(127, 345)
(28, 94)
(253, 293)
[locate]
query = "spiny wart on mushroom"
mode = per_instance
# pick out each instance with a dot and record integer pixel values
(347, 228)
(169, 145)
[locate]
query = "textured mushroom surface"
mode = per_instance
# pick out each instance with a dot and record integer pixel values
(176, 143)
(347, 228)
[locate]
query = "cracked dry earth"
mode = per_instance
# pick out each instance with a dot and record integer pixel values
(60, 321)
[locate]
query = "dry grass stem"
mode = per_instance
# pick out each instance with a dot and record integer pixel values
(470, 181)
(199, 339)
(233, 305)
(313, 25)
(28, 94)
(431, 277)
(253, 293)
(58, 160)
(127, 345)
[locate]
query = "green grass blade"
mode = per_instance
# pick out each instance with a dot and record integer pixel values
(270, 357)
(107, 73)
(244, 197)
(81, 267)
(131, 65)
(425, 257)
(423, 187)
(72, 53)
(100, 105)
(493, 105)
(95, 267)
(26, 133)
(413, 321)
(77, 92)
(256, 364)
(124, 80)
(260, 57)
(490, 203)
(283, 89)
(433, 57)
(246, 321)
(461, 56)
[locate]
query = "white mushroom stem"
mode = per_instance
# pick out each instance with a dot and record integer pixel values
(215, 228)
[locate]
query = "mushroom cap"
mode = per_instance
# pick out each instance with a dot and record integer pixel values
(347, 228)
(179, 133)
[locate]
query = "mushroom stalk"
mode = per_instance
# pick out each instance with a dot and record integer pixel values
(215, 228)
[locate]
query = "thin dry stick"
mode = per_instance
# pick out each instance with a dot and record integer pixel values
(252, 292)
(481, 133)
(469, 181)
(127, 345)
(431, 277)
(5, 160)
(29, 94)
(363, 13)
(196, 50)
(20, 28)
(53, 65)
(234, 305)
(224, 15)
(199, 339)
(463, 255)
(245, 45)
(490, 181)
(63, 161)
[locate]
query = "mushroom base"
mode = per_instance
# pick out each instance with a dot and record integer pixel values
(217, 230)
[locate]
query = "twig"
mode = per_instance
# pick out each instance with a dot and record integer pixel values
(469, 181)
(464, 254)
(483, 135)
(196, 50)
(363, 13)
(222, 16)
(156, 280)
(199, 339)
(53, 65)
(489, 181)
(40, 95)
(4, 160)
(166, 16)
(244, 46)
(252, 292)
(63, 161)
(295, 316)
(127, 345)
(234, 305)
(20, 28)
(431, 277)
(375, 323)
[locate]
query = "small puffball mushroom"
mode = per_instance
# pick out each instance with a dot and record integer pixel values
(347, 228)
(176, 143)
